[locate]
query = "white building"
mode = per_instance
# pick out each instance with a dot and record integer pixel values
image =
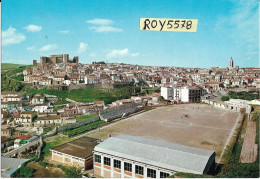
(183, 94)
(238, 104)
(125, 156)
(43, 108)
(167, 92)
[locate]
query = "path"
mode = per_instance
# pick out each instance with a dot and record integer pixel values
(249, 148)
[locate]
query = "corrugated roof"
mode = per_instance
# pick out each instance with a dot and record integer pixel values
(157, 153)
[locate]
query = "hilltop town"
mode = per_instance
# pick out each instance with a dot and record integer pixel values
(58, 70)
(65, 113)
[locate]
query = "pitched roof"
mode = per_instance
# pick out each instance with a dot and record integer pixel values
(24, 136)
(162, 154)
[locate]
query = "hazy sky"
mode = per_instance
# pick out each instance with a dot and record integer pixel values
(109, 30)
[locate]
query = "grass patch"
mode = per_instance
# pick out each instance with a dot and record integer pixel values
(151, 90)
(19, 77)
(71, 172)
(46, 130)
(44, 164)
(206, 143)
(61, 102)
(85, 128)
(84, 117)
(9, 66)
(87, 95)
(58, 140)
(233, 168)
(189, 175)
(147, 108)
(11, 82)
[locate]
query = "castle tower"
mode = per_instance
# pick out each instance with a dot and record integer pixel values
(231, 63)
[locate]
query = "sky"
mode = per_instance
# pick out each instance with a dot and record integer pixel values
(108, 30)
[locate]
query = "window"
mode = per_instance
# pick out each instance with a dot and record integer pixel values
(117, 164)
(139, 170)
(98, 158)
(164, 175)
(151, 173)
(128, 167)
(107, 161)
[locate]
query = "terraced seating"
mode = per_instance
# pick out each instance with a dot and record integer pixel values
(117, 112)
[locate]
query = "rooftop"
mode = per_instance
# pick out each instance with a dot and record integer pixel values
(157, 153)
(81, 147)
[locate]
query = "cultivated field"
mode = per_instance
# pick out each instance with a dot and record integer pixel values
(197, 125)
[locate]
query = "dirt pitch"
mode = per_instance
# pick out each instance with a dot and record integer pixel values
(197, 125)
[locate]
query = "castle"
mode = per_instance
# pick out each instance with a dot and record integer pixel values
(55, 59)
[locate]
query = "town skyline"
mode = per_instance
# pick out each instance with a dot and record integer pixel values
(111, 34)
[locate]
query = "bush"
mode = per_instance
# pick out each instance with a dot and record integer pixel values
(224, 98)
(71, 172)
(44, 164)
(26, 172)
(244, 95)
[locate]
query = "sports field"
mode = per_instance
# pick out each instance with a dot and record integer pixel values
(197, 125)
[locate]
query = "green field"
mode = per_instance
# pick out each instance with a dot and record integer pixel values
(84, 117)
(9, 66)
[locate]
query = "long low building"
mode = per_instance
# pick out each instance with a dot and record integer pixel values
(77, 153)
(125, 156)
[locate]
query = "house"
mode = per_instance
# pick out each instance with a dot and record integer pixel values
(27, 117)
(38, 99)
(122, 102)
(9, 105)
(43, 108)
(58, 79)
(23, 139)
(7, 132)
(11, 96)
(49, 120)
(216, 85)
(124, 156)
(76, 153)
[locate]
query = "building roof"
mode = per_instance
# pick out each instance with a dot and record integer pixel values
(157, 153)
(24, 136)
(81, 147)
(10, 165)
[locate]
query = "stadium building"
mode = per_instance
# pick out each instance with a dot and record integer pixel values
(125, 156)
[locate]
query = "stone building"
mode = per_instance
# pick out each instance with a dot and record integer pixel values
(56, 59)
